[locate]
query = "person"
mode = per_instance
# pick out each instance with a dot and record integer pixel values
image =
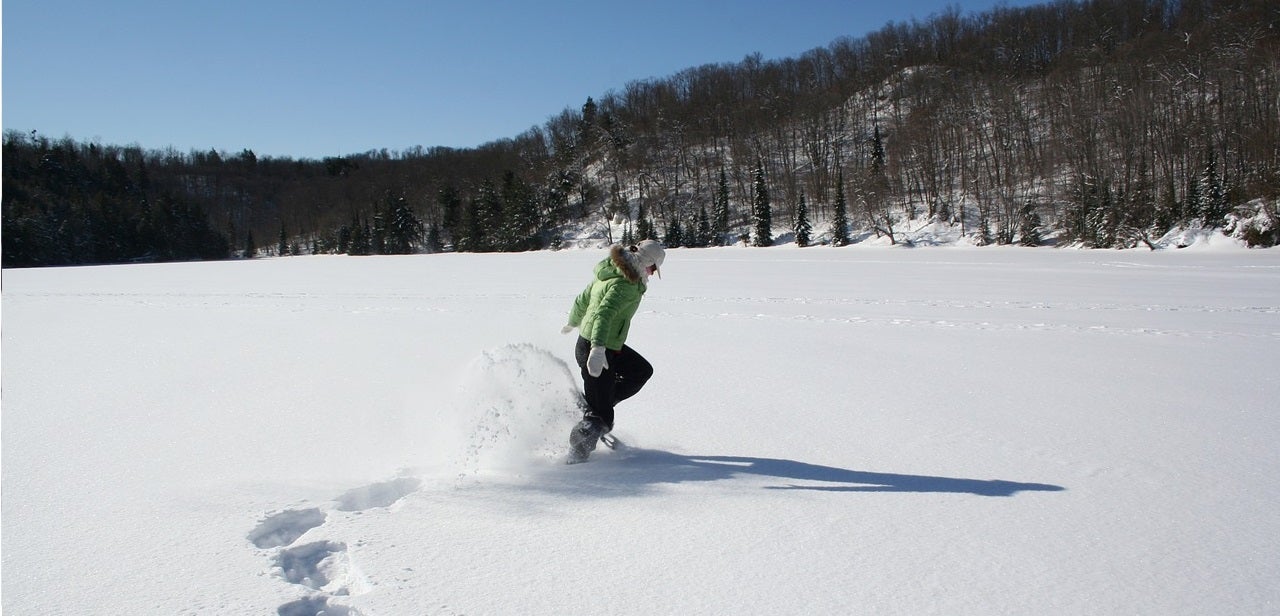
(611, 370)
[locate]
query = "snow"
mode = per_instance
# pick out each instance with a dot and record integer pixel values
(859, 430)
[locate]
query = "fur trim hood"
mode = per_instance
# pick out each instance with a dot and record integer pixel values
(626, 263)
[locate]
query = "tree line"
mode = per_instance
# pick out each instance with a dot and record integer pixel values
(1102, 123)
(68, 204)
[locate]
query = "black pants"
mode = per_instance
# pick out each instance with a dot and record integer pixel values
(626, 374)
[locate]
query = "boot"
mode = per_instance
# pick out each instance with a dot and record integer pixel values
(583, 438)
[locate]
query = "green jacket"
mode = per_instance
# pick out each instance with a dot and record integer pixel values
(603, 311)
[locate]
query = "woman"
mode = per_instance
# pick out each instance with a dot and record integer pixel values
(611, 370)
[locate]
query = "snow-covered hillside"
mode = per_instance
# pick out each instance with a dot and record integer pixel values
(829, 431)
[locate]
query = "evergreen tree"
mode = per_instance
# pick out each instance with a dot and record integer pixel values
(1029, 225)
(361, 242)
(985, 236)
(587, 126)
(343, 242)
(763, 210)
(675, 234)
(720, 225)
(433, 238)
(840, 218)
(644, 226)
(1093, 218)
(1213, 194)
(488, 222)
(1081, 215)
(378, 234)
(802, 228)
(451, 212)
(875, 191)
(877, 153)
(521, 225)
(705, 236)
(403, 227)
(472, 236)
(282, 248)
(370, 244)
(250, 248)
(1006, 231)
(1106, 220)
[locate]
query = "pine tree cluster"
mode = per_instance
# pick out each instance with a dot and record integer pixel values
(68, 204)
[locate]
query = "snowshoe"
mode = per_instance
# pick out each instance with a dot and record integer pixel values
(611, 441)
(583, 438)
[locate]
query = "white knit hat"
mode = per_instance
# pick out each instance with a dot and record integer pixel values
(650, 253)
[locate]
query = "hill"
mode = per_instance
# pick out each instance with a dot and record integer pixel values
(1106, 123)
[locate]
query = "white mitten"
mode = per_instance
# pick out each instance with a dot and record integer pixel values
(596, 361)
(566, 329)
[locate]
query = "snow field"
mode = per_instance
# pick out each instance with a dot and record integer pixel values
(858, 430)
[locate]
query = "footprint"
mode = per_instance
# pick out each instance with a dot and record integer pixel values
(285, 527)
(322, 566)
(315, 606)
(382, 494)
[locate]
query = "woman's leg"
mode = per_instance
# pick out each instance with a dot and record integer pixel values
(631, 373)
(598, 390)
(627, 373)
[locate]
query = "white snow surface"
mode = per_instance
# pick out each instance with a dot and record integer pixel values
(864, 430)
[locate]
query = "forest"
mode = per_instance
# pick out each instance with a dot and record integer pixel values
(1099, 123)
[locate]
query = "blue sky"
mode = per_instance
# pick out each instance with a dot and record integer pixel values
(316, 78)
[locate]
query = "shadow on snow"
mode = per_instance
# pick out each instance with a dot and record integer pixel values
(637, 468)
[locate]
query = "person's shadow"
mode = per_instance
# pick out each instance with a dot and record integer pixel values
(633, 469)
